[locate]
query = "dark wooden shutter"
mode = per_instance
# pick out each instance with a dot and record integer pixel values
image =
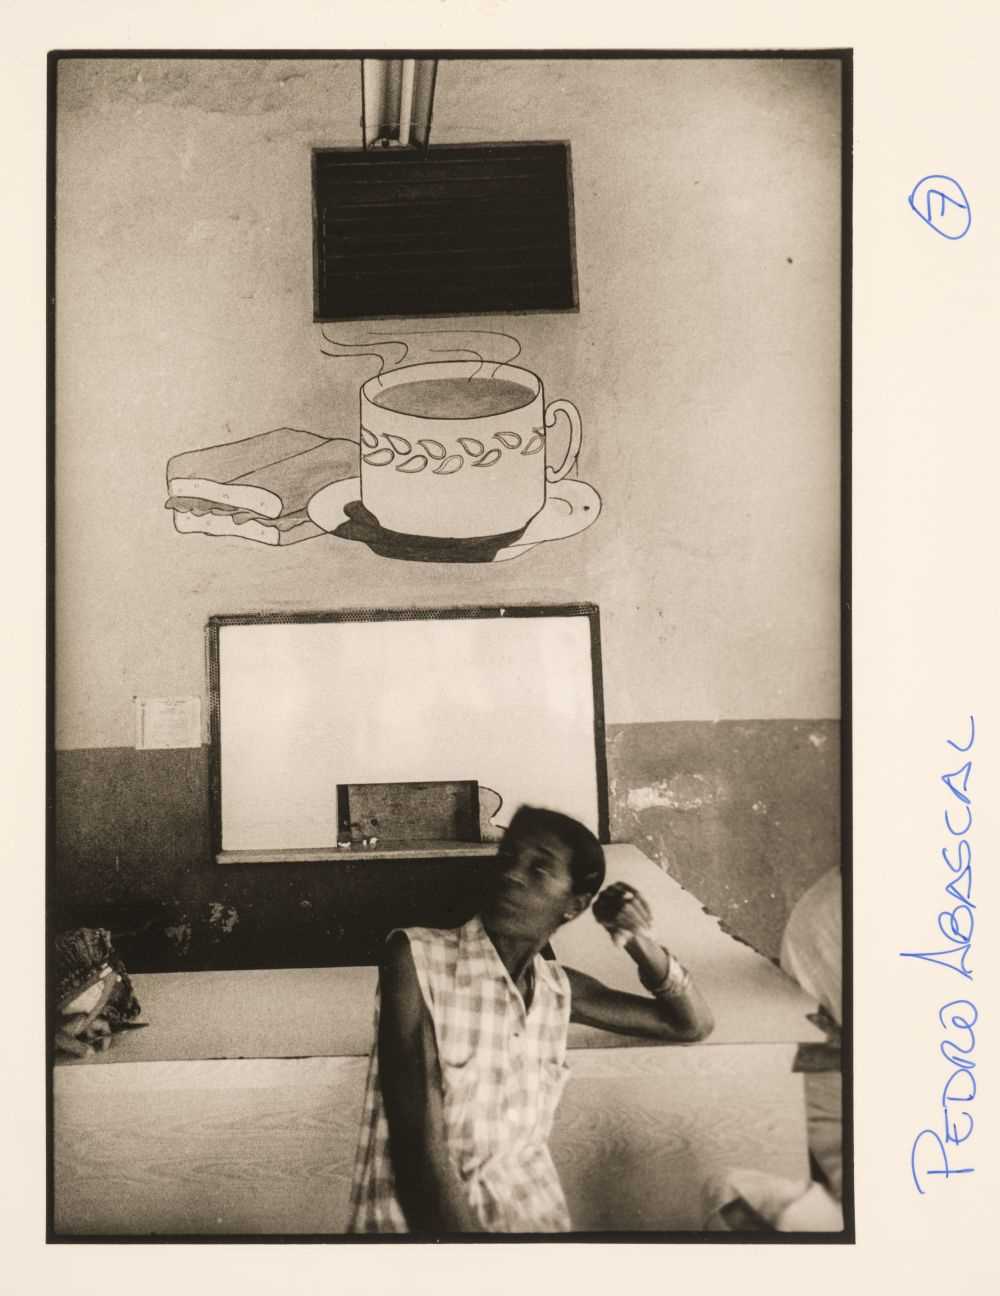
(458, 230)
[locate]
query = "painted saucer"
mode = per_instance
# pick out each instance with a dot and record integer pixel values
(571, 507)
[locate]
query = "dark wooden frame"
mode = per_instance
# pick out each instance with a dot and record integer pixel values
(413, 169)
(217, 623)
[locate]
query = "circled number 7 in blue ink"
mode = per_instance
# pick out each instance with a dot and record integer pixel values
(940, 202)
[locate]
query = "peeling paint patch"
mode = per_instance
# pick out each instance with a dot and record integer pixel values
(657, 852)
(682, 792)
(179, 934)
(818, 740)
(222, 916)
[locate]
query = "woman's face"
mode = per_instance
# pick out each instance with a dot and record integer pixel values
(534, 887)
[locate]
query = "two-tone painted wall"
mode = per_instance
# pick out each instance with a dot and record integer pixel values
(704, 360)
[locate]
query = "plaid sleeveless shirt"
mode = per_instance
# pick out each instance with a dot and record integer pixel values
(502, 1071)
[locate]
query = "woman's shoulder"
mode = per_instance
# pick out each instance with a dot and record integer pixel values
(426, 935)
(429, 946)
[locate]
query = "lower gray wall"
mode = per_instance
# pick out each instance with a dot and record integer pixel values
(745, 815)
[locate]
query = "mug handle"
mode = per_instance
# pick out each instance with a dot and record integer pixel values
(552, 475)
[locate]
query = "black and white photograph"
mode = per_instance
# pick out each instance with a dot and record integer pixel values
(513, 764)
(449, 738)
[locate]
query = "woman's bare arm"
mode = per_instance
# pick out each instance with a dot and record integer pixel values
(427, 1185)
(676, 1011)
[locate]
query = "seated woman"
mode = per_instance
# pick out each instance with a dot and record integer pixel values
(469, 1059)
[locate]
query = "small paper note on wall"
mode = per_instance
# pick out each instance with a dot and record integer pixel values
(167, 722)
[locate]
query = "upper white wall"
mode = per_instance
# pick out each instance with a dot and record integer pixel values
(704, 360)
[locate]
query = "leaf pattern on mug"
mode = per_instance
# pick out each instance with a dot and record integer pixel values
(471, 446)
(398, 443)
(379, 458)
(488, 459)
(535, 443)
(450, 465)
(417, 464)
(434, 448)
(510, 440)
(368, 438)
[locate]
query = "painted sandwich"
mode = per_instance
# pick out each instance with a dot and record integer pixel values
(257, 488)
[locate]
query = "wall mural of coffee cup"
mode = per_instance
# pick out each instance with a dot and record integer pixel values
(458, 459)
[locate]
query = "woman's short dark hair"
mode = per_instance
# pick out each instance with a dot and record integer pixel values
(586, 853)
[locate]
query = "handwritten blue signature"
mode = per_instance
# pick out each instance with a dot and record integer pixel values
(941, 203)
(929, 1154)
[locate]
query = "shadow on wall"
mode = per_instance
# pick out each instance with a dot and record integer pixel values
(744, 814)
(133, 854)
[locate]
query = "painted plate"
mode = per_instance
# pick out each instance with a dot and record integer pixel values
(571, 507)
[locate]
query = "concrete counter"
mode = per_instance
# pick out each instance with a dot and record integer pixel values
(236, 1110)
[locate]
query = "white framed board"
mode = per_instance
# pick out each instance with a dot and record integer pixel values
(304, 704)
